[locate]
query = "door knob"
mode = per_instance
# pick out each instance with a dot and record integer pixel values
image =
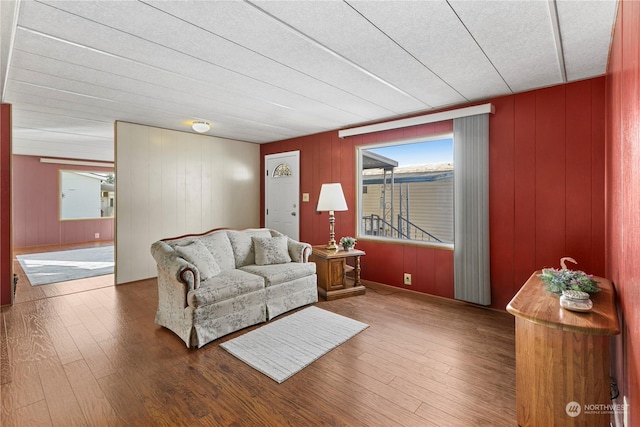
(293, 214)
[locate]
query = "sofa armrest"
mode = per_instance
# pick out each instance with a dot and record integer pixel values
(175, 266)
(299, 251)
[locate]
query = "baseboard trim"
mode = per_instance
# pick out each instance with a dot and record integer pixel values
(377, 286)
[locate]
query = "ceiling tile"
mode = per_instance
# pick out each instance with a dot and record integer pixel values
(430, 32)
(586, 52)
(515, 36)
(263, 71)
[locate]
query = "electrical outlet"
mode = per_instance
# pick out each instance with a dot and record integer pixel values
(97, 235)
(407, 279)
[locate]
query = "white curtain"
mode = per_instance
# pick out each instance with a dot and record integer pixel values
(471, 219)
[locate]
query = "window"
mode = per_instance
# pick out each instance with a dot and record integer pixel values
(86, 195)
(406, 191)
(282, 169)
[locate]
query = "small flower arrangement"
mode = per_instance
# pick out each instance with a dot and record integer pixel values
(348, 242)
(558, 280)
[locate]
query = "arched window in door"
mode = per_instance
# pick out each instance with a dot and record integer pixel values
(281, 170)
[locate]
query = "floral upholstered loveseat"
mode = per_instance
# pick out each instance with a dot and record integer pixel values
(215, 283)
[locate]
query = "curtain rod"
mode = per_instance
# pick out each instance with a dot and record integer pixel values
(76, 162)
(419, 120)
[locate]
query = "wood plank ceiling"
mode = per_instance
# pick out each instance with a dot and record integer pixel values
(262, 71)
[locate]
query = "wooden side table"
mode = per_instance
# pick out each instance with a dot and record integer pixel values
(562, 357)
(332, 269)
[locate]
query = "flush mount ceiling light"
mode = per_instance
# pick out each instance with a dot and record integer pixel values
(200, 126)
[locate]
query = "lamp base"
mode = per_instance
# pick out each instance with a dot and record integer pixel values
(332, 246)
(332, 236)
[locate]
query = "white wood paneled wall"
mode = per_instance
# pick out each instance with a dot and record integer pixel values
(171, 183)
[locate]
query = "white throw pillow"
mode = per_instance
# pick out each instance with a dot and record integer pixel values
(197, 254)
(271, 250)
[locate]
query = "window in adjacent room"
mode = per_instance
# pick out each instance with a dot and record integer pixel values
(86, 195)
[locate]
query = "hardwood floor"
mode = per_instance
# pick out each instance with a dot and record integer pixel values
(95, 358)
(26, 292)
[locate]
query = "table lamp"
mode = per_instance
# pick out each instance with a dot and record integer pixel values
(331, 199)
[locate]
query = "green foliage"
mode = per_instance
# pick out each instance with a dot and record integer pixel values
(560, 280)
(347, 241)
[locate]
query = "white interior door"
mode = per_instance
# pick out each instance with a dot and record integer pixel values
(282, 193)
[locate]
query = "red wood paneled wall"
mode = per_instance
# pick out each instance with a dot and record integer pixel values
(546, 191)
(327, 158)
(6, 257)
(36, 211)
(623, 196)
(546, 183)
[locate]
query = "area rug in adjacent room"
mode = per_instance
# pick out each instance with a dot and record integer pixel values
(284, 347)
(62, 266)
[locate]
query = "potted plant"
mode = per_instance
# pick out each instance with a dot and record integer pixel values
(347, 243)
(563, 279)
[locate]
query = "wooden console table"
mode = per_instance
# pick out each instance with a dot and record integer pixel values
(332, 269)
(562, 357)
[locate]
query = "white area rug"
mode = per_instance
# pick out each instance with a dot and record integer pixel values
(61, 266)
(284, 347)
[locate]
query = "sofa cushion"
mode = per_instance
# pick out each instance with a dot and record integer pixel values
(271, 250)
(226, 285)
(243, 245)
(219, 245)
(197, 254)
(280, 273)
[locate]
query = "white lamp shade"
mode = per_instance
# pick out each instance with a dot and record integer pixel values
(331, 198)
(200, 126)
